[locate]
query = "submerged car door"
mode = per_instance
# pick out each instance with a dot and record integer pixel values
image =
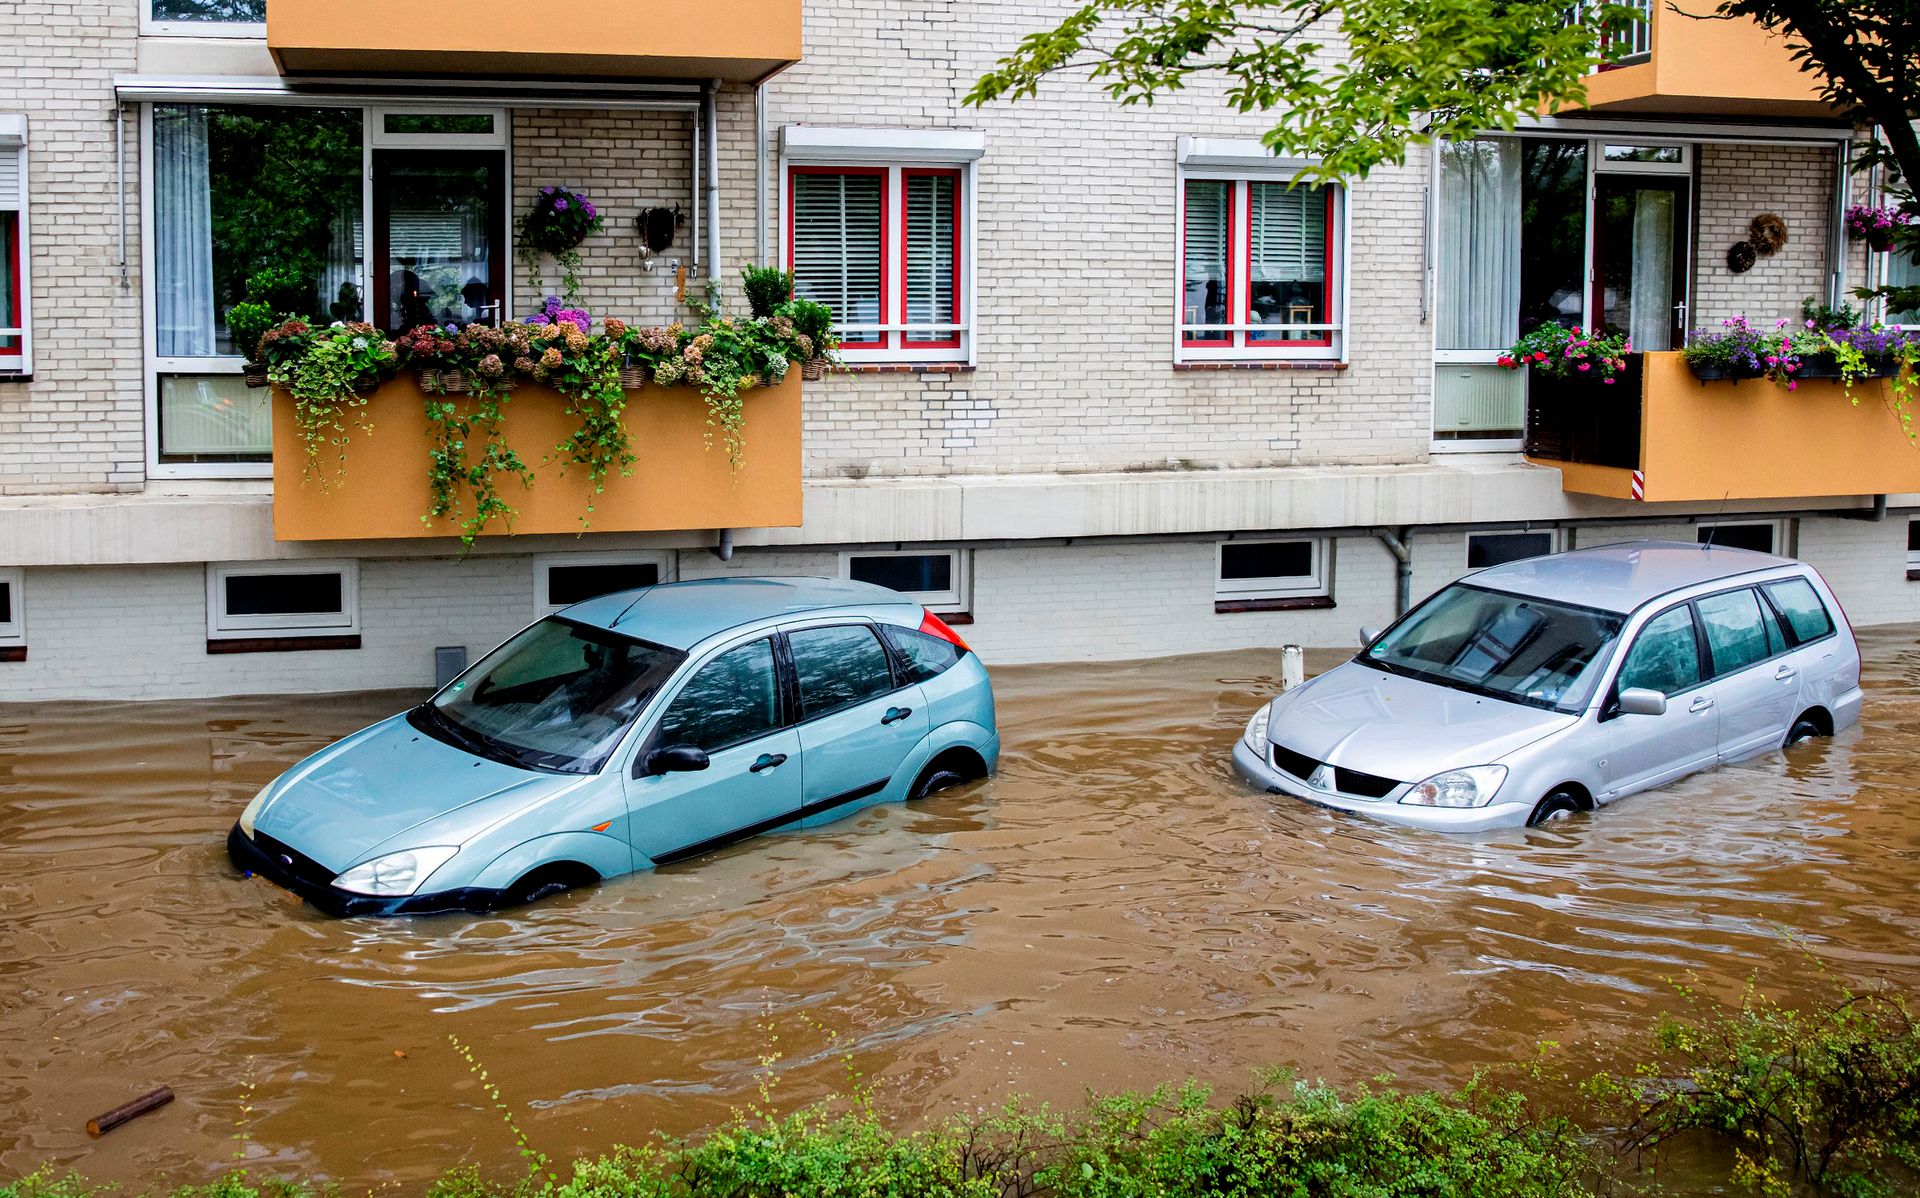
(1757, 688)
(730, 708)
(857, 724)
(1647, 750)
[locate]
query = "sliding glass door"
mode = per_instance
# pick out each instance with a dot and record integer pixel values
(1640, 258)
(439, 250)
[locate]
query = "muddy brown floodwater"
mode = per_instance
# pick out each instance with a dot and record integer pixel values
(1114, 909)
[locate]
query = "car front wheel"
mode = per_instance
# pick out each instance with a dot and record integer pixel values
(1558, 805)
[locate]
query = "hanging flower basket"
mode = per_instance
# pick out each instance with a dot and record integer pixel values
(813, 369)
(255, 375)
(632, 378)
(1875, 225)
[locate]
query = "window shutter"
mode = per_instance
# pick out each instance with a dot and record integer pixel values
(1289, 233)
(428, 236)
(930, 255)
(836, 245)
(1206, 231)
(11, 198)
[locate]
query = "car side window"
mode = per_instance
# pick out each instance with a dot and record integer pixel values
(1736, 630)
(926, 656)
(1665, 656)
(1807, 618)
(733, 698)
(838, 666)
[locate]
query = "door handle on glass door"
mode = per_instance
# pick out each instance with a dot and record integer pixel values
(896, 714)
(1700, 704)
(767, 761)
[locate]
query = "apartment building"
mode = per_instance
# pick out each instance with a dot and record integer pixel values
(1115, 387)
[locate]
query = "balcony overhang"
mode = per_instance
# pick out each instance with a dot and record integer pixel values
(735, 40)
(1701, 65)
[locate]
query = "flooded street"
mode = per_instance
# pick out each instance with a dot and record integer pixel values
(1114, 909)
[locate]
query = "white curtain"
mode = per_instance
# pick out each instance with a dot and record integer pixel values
(1478, 273)
(1650, 301)
(182, 233)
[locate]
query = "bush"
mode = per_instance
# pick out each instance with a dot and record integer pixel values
(246, 321)
(767, 287)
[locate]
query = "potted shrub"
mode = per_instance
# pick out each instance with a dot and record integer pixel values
(767, 287)
(1554, 351)
(813, 340)
(248, 321)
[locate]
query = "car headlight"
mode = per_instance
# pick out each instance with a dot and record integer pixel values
(396, 873)
(1473, 786)
(252, 812)
(1256, 733)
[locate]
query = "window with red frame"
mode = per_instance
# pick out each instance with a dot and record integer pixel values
(13, 259)
(1258, 272)
(882, 248)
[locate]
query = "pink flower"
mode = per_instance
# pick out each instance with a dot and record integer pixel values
(1607, 381)
(1586, 366)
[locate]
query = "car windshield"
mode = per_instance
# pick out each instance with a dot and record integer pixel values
(1512, 647)
(557, 697)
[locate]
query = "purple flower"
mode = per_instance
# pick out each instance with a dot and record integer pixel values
(590, 210)
(560, 205)
(546, 191)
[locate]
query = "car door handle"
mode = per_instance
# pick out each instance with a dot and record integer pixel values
(896, 714)
(1700, 704)
(767, 761)
(1786, 673)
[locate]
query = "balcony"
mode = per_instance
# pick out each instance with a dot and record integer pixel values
(677, 483)
(1682, 439)
(736, 40)
(1681, 65)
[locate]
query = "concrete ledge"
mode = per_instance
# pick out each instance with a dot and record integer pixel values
(182, 522)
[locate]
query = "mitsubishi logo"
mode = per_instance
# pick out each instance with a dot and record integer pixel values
(1322, 777)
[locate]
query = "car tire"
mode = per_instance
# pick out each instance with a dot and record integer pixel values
(935, 780)
(540, 884)
(1804, 728)
(1558, 805)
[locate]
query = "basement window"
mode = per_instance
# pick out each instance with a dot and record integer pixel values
(1271, 574)
(1761, 536)
(1913, 551)
(13, 616)
(263, 606)
(934, 578)
(561, 579)
(1486, 549)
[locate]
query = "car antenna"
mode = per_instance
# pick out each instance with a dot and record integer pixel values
(1714, 528)
(644, 592)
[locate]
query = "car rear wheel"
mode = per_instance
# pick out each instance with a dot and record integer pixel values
(934, 780)
(1556, 806)
(1804, 728)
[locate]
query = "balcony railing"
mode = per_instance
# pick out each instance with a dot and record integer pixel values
(1661, 435)
(678, 482)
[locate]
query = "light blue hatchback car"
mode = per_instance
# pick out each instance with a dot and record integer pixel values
(625, 732)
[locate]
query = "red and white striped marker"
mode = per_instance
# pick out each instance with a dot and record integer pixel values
(1640, 485)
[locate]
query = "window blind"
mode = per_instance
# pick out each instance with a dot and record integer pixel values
(1289, 233)
(836, 244)
(1206, 231)
(10, 193)
(424, 235)
(930, 254)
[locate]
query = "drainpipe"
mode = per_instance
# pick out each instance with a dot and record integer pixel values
(120, 169)
(1399, 542)
(724, 550)
(1873, 515)
(713, 182)
(760, 173)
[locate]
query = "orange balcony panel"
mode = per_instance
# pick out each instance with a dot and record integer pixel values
(739, 40)
(1746, 440)
(1708, 68)
(677, 483)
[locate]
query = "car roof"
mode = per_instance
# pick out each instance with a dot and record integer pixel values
(682, 614)
(1622, 577)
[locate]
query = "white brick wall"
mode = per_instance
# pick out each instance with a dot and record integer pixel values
(1738, 183)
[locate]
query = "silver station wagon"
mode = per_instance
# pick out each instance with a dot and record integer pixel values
(1543, 687)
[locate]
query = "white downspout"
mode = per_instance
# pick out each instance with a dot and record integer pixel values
(713, 182)
(760, 174)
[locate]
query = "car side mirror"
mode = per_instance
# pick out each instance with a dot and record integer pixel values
(1368, 635)
(1640, 700)
(675, 759)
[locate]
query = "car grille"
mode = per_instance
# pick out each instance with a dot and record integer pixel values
(296, 863)
(1350, 782)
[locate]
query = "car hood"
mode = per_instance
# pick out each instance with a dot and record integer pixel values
(1402, 728)
(393, 787)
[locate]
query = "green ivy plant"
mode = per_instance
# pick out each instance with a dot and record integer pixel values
(585, 370)
(326, 372)
(456, 424)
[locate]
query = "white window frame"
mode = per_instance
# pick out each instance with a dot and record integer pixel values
(1243, 162)
(224, 627)
(150, 26)
(953, 599)
(1782, 531)
(372, 137)
(1556, 541)
(896, 151)
(1317, 583)
(13, 632)
(13, 140)
(1913, 555)
(543, 562)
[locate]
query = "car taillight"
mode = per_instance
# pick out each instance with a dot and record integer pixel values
(934, 626)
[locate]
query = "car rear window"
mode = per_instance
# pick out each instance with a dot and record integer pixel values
(926, 656)
(838, 666)
(1799, 604)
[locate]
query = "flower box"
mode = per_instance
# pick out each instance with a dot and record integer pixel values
(677, 483)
